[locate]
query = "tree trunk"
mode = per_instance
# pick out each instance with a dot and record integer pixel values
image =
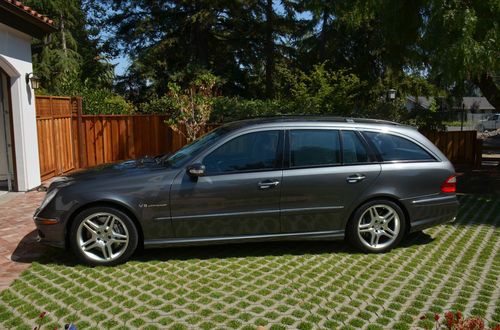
(489, 89)
(199, 39)
(322, 44)
(269, 49)
(63, 36)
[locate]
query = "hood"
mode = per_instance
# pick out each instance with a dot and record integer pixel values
(126, 170)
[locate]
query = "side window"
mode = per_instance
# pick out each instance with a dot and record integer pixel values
(249, 152)
(391, 147)
(314, 147)
(353, 150)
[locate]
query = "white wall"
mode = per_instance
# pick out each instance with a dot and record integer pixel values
(15, 60)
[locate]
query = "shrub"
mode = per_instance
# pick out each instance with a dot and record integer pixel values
(228, 109)
(193, 105)
(455, 321)
(97, 101)
(163, 105)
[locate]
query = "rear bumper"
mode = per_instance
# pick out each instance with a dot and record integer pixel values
(429, 211)
(427, 223)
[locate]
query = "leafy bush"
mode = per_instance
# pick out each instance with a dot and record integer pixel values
(96, 101)
(163, 105)
(323, 92)
(228, 109)
(193, 105)
(456, 321)
(428, 119)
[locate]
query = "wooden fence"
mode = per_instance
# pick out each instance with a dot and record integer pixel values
(68, 140)
(111, 138)
(461, 147)
(56, 145)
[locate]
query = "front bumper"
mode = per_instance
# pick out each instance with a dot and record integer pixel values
(50, 230)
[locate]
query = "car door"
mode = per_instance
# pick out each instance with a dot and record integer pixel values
(239, 193)
(321, 179)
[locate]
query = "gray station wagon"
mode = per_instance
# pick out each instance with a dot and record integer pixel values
(284, 178)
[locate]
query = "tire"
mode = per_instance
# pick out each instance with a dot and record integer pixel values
(480, 128)
(103, 236)
(376, 226)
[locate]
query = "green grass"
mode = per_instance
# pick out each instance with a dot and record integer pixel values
(300, 285)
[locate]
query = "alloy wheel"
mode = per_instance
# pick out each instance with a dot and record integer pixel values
(102, 237)
(379, 226)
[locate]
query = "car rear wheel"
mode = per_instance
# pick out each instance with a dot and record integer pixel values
(103, 236)
(376, 226)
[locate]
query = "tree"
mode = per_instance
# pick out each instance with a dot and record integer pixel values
(70, 54)
(193, 105)
(461, 42)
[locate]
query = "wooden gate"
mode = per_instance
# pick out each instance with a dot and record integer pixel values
(461, 148)
(56, 147)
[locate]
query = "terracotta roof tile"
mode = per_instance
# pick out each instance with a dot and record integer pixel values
(30, 11)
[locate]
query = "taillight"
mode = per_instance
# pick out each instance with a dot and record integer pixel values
(449, 185)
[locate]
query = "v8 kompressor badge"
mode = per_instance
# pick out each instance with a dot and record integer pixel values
(144, 205)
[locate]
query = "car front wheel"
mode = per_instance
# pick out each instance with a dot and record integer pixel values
(376, 226)
(103, 236)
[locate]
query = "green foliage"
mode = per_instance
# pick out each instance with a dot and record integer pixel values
(227, 109)
(96, 100)
(192, 105)
(311, 57)
(428, 119)
(72, 53)
(163, 105)
(323, 92)
(462, 39)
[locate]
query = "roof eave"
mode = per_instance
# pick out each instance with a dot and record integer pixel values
(20, 20)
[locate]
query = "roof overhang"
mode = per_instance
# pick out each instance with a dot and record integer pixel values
(23, 21)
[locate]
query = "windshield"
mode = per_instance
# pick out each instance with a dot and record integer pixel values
(190, 150)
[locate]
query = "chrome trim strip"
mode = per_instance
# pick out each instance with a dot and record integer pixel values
(229, 214)
(218, 215)
(325, 208)
(448, 199)
(305, 235)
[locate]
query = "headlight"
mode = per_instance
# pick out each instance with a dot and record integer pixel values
(50, 196)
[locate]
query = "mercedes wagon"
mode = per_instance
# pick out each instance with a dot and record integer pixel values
(370, 182)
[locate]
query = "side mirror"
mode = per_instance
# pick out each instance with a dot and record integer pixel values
(196, 170)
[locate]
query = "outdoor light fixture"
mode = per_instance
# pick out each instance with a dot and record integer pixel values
(35, 81)
(391, 94)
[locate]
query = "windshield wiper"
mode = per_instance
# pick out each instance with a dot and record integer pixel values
(162, 159)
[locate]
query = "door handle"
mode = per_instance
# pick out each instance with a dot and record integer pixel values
(355, 178)
(267, 184)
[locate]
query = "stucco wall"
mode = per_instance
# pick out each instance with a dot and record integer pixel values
(15, 60)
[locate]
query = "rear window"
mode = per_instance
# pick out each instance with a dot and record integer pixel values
(393, 148)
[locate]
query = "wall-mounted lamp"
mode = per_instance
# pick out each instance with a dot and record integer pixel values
(34, 80)
(391, 94)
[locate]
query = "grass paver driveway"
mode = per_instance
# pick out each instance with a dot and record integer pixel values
(305, 285)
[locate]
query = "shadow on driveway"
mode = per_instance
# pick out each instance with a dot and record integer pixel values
(28, 250)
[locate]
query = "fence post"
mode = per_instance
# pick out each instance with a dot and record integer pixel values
(77, 103)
